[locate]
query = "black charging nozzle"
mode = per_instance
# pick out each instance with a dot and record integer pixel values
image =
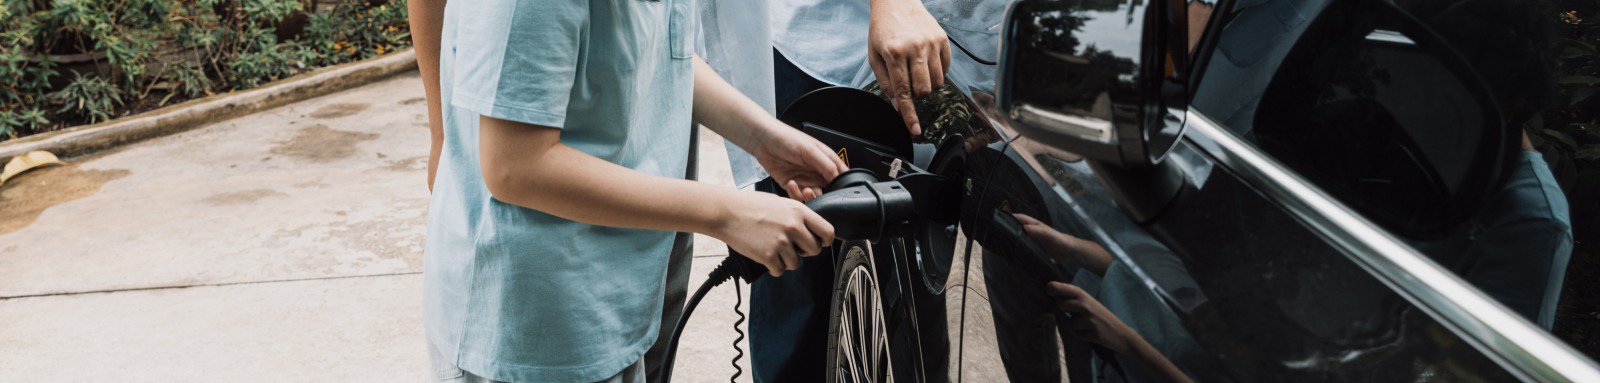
(856, 203)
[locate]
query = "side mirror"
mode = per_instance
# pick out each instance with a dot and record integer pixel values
(1103, 79)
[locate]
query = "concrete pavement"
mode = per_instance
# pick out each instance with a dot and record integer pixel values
(280, 246)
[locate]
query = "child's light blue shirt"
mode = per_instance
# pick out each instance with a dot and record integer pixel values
(513, 294)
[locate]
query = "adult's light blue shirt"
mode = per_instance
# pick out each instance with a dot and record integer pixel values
(827, 39)
(514, 294)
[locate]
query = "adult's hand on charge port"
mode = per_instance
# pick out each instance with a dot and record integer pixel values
(909, 53)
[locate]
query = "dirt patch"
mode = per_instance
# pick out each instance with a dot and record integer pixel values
(394, 236)
(318, 143)
(339, 110)
(239, 197)
(413, 101)
(23, 198)
(313, 184)
(405, 164)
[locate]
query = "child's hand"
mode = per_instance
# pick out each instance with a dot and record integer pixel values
(800, 164)
(1090, 320)
(771, 230)
(1065, 248)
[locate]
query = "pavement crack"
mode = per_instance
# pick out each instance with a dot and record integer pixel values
(175, 287)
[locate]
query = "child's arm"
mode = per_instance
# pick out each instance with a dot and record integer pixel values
(427, 20)
(527, 165)
(799, 163)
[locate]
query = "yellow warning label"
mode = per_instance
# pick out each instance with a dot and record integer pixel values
(844, 156)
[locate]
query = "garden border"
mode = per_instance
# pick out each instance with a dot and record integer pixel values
(188, 115)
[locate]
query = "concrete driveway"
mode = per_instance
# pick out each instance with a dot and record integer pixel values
(283, 246)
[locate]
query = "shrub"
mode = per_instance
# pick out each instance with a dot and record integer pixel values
(1569, 133)
(1569, 137)
(134, 55)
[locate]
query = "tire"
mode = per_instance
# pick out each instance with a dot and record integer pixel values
(858, 339)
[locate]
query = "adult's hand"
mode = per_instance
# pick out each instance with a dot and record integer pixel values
(909, 53)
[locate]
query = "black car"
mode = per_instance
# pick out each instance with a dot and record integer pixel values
(1251, 190)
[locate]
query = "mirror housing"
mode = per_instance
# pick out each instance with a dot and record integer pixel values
(1095, 91)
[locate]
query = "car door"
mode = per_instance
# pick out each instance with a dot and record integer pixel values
(1214, 261)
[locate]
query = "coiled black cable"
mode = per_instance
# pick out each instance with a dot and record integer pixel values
(738, 299)
(734, 265)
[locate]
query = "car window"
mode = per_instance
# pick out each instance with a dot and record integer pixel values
(1412, 119)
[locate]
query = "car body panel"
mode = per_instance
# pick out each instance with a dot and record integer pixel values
(1229, 278)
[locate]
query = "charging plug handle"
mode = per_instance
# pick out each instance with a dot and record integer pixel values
(867, 211)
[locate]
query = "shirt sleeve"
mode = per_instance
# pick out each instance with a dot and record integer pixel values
(518, 60)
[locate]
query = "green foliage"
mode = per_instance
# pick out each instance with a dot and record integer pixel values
(66, 62)
(188, 79)
(89, 97)
(1569, 133)
(13, 121)
(350, 32)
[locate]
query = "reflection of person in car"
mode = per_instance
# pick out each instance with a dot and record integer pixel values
(1090, 319)
(1521, 240)
(1065, 248)
(1519, 245)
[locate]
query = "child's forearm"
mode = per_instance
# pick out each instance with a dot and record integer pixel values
(427, 20)
(731, 114)
(526, 165)
(1152, 357)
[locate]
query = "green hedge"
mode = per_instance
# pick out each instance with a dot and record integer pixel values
(1569, 136)
(1569, 132)
(70, 62)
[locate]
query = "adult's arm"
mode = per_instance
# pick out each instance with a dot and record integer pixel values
(427, 20)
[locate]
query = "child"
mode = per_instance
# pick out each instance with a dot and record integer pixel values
(564, 123)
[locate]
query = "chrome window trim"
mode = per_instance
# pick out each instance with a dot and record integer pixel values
(1516, 344)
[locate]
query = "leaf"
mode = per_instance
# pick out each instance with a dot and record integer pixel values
(1563, 137)
(1573, 52)
(1579, 79)
(1590, 153)
(1579, 44)
(1590, 129)
(1580, 95)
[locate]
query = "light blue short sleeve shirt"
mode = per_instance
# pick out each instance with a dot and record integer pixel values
(514, 294)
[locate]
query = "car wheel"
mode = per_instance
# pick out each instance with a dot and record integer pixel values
(858, 337)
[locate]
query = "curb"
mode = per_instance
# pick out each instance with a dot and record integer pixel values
(199, 112)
